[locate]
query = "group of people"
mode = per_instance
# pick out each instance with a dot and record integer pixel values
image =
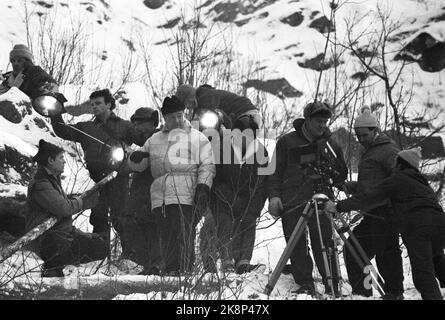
(174, 179)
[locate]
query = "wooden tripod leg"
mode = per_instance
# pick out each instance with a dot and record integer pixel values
(335, 253)
(327, 270)
(296, 234)
(361, 259)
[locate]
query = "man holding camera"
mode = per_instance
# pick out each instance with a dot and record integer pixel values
(377, 232)
(295, 181)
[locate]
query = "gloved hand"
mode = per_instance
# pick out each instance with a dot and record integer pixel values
(202, 197)
(330, 207)
(275, 207)
(137, 156)
(350, 187)
(89, 200)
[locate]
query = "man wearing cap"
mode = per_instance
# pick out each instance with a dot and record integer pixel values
(181, 162)
(143, 229)
(419, 214)
(99, 138)
(233, 106)
(293, 184)
(62, 244)
(25, 75)
(377, 233)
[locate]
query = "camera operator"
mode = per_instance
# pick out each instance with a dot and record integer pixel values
(292, 185)
(377, 232)
(26, 76)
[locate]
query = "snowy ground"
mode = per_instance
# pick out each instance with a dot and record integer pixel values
(20, 278)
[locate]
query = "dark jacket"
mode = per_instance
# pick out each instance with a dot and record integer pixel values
(238, 183)
(291, 181)
(97, 156)
(232, 104)
(413, 199)
(33, 78)
(376, 164)
(46, 198)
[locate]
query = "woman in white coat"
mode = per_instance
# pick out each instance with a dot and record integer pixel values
(181, 162)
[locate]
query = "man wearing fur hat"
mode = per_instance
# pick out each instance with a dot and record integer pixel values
(182, 165)
(63, 244)
(292, 185)
(144, 237)
(98, 138)
(25, 75)
(377, 232)
(419, 215)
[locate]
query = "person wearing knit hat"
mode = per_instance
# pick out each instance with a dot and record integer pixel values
(46, 150)
(366, 127)
(181, 161)
(25, 75)
(21, 51)
(366, 119)
(378, 237)
(412, 156)
(63, 244)
(420, 218)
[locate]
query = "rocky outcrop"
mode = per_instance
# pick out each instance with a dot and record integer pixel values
(154, 4)
(279, 87)
(318, 63)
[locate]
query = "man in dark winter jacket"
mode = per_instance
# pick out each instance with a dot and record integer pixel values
(294, 183)
(144, 237)
(25, 75)
(205, 97)
(62, 244)
(377, 233)
(99, 138)
(237, 199)
(419, 215)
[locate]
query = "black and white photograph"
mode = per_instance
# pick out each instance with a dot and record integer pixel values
(222, 156)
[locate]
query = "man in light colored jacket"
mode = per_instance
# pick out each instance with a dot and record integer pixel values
(181, 162)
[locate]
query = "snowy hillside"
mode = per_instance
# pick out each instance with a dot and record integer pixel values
(272, 48)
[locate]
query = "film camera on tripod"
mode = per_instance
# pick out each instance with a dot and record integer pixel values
(319, 164)
(321, 167)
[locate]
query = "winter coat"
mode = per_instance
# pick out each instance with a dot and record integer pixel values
(46, 199)
(231, 104)
(291, 182)
(179, 160)
(33, 78)
(376, 164)
(414, 202)
(238, 184)
(97, 155)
